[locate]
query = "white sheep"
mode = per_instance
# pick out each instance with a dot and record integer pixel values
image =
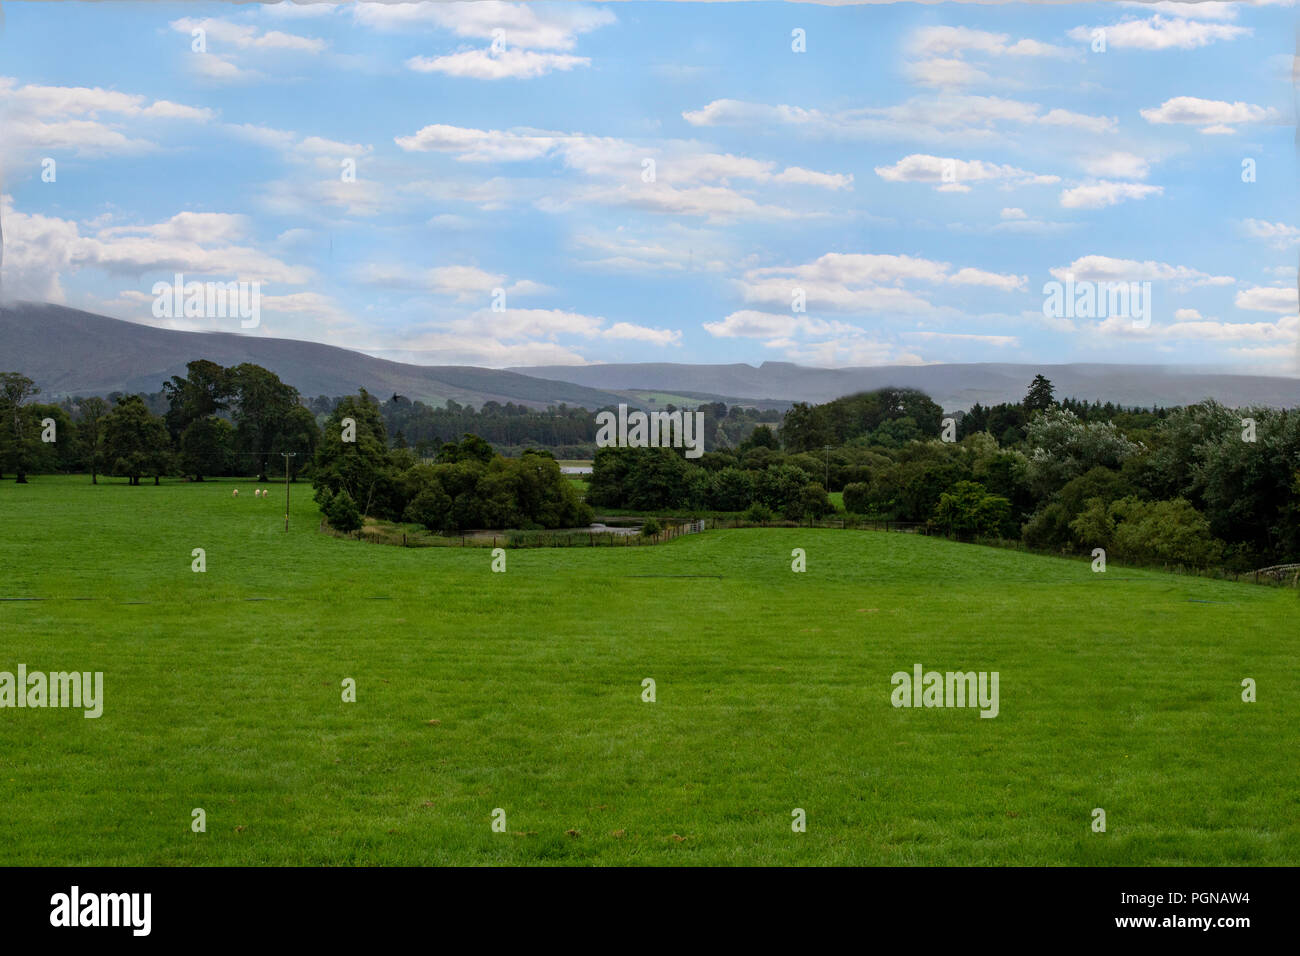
(235, 493)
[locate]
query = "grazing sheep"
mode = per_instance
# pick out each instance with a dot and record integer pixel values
(235, 493)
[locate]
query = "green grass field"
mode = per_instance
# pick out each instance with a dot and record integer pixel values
(522, 690)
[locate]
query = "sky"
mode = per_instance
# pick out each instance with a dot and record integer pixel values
(512, 184)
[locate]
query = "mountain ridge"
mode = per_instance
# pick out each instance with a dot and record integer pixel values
(73, 352)
(954, 386)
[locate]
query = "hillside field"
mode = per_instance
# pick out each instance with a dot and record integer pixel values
(523, 691)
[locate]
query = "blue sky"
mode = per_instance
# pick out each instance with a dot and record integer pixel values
(919, 172)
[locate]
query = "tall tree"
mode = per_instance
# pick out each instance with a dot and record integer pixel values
(135, 440)
(1039, 396)
(15, 390)
(90, 433)
(263, 404)
(206, 446)
(204, 391)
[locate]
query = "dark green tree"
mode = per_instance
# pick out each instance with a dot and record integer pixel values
(1039, 397)
(135, 441)
(90, 434)
(18, 440)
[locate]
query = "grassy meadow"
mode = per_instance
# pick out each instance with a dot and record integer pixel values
(523, 691)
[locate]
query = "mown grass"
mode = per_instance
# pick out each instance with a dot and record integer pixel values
(1118, 690)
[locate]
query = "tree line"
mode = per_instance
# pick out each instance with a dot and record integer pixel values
(1198, 485)
(1201, 485)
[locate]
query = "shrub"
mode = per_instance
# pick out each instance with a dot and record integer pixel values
(857, 497)
(431, 508)
(342, 513)
(651, 528)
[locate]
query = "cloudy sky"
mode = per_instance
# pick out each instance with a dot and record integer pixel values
(652, 182)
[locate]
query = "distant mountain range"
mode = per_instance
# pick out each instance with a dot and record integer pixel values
(70, 352)
(952, 386)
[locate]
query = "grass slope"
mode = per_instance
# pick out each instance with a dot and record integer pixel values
(1118, 691)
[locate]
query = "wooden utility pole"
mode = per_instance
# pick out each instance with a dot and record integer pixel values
(287, 455)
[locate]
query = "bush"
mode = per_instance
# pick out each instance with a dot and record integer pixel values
(431, 508)
(651, 528)
(969, 510)
(857, 497)
(758, 512)
(816, 503)
(342, 513)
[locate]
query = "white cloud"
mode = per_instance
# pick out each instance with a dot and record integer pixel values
(453, 348)
(1000, 341)
(806, 177)
(1214, 116)
(940, 40)
(1277, 234)
(1268, 299)
(864, 283)
(516, 323)
(713, 203)
(1107, 269)
(1083, 121)
(1013, 213)
(675, 249)
(937, 117)
(40, 249)
(1196, 9)
(244, 37)
(790, 333)
(642, 333)
(1102, 194)
(87, 120)
(688, 180)
(1283, 331)
(200, 227)
(921, 168)
(945, 72)
(992, 280)
(486, 65)
(550, 27)
(469, 282)
(1160, 33)
(460, 282)
(1117, 165)
(676, 162)
(751, 324)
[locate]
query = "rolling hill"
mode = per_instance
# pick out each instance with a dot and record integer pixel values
(69, 352)
(952, 386)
